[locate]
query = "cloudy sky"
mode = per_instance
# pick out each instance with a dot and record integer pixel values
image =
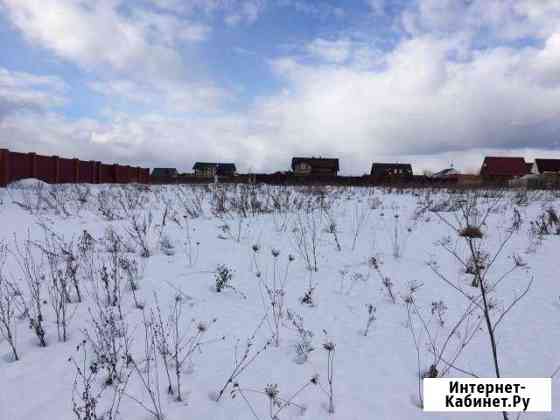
(169, 82)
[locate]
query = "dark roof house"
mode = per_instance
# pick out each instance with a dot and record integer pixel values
(315, 166)
(542, 166)
(503, 167)
(164, 172)
(214, 168)
(391, 169)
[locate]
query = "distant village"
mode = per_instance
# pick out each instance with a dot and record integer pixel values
(494, 170)
(513, 171)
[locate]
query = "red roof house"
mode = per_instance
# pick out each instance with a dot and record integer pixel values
(503, 167)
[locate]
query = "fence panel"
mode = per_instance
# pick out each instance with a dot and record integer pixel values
(19, 166)
(52, 169)
(46, 169)
(66, 170)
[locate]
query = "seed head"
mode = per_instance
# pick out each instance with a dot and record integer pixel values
(271, 390)
(472, 232)
(329, 346)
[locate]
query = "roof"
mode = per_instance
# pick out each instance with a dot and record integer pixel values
(164, 172)
(445, 173)
(503, 166)
(548, 165)
(223, 166)
(384, 167)
(325, 163)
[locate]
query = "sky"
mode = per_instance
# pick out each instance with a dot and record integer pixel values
(165, 83)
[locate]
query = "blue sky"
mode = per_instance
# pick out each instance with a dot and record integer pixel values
(169, 82)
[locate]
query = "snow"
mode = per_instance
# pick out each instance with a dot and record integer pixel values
(375, 376)
(28, 183)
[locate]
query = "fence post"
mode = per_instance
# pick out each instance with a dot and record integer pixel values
(32, 165)
(76, 170)
(4, 167)
(56, 164)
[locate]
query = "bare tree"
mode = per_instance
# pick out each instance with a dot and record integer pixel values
(275, 292)
(140, 231)
(330, 347)
(147, 371)
(470, 219)
(133, 271)
(240, 364)
(276, 403)
(34, 276)
(8, 326)
(87, 392)
(306, 237)
(109, 338)
(360, 215)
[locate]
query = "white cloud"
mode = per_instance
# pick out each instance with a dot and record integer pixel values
(161, 96)
(170, 30)
(546, 62)
(235, 11)
(500, 19)
(24, 91)
(336, 51)
(191, 6)
(246, 11)
(95, 34)
(150, 140)
(421, 103)
(433, 99)
(317, 9)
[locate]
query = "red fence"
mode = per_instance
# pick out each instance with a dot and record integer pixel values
(55, 170)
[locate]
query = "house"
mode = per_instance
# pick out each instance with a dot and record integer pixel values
(164, 173)
(503, 168)
(210, 169)
(315, 166)
(393, 170)
(545, 166)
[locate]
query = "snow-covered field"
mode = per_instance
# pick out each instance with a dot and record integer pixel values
(304, 271)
